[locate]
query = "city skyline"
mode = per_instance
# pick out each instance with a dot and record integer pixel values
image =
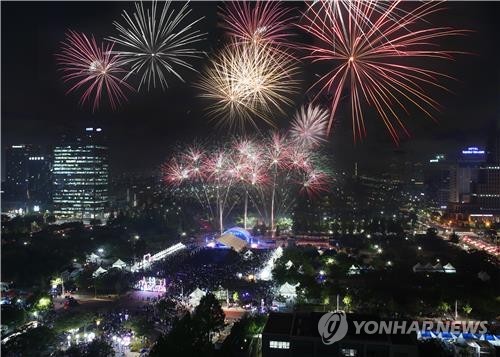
(465, 117)
(250, 178)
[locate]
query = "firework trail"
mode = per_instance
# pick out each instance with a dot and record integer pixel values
(156, 43)
(264, 172)
(260, 22)
(92, 68)
(377, 51)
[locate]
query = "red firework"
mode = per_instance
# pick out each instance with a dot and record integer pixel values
(376, 51)
(174, 173)
(92, 68)
(260, 22)
(315, 182)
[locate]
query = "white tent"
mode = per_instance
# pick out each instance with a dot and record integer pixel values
(119, 264)
(195, 297)
(428, 267)
(93, 258)
(98, 272)
(417, 267)
(288, 264)
(353, 270)
(448, 268)
(438, 268)
(288, 291)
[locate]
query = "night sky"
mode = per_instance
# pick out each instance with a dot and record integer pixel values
(36, 110)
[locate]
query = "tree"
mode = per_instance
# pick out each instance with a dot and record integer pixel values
(73, 320)
(347, 300)
(183, 340)
(12, 316)
(209, 316)
(140, 325)
(467, 309)
(34, 342)
(190, 336)
(444, 307)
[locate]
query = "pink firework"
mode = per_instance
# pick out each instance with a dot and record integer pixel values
(260, 22)
(174, 173)
(377, 54)
(314, 183)
(93, 69)
(309, 125)
(278, 150)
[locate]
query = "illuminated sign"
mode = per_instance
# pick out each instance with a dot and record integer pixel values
(152, 284)
(473, 151)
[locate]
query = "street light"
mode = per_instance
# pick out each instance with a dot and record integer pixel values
(137, 236)
(100, 250)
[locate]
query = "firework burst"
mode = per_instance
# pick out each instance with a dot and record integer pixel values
(372, 48)
(93, 68)
(260, 22)
(248, 82)
(264, 172)
(157, 43)
(309, 125)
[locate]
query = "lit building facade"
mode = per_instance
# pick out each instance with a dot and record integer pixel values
(437, 181)
(464, 173)
(16, 172)
(39, 182)
(28, 179)
(80, 171)
(486, 191)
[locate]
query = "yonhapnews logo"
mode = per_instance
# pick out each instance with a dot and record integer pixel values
(332, 327)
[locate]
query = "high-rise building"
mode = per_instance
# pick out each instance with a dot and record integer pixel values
(39, 182)
(486, 190)
(437, 181)
(80, 172)
(464, 173)
(27, 184)
(16, 169)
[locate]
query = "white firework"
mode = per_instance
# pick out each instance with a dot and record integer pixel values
(309, 125)
(157, 44)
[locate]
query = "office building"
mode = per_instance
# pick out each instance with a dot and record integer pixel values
(39, 192)
(437, 181)
(80, 171)
(28, 179)
(486, 190)
(296, 334)
(464, 173)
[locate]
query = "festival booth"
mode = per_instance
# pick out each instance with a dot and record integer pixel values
(196, 296)
(119, 264)
(450, 269)
(99, 272)
(93, 258)
(288, 291)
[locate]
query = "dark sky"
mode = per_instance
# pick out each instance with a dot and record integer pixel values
(36, 110)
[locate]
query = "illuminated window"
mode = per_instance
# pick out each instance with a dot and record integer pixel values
(282, 345)
(351, 352)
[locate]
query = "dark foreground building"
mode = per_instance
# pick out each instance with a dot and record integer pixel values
(296, 334)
